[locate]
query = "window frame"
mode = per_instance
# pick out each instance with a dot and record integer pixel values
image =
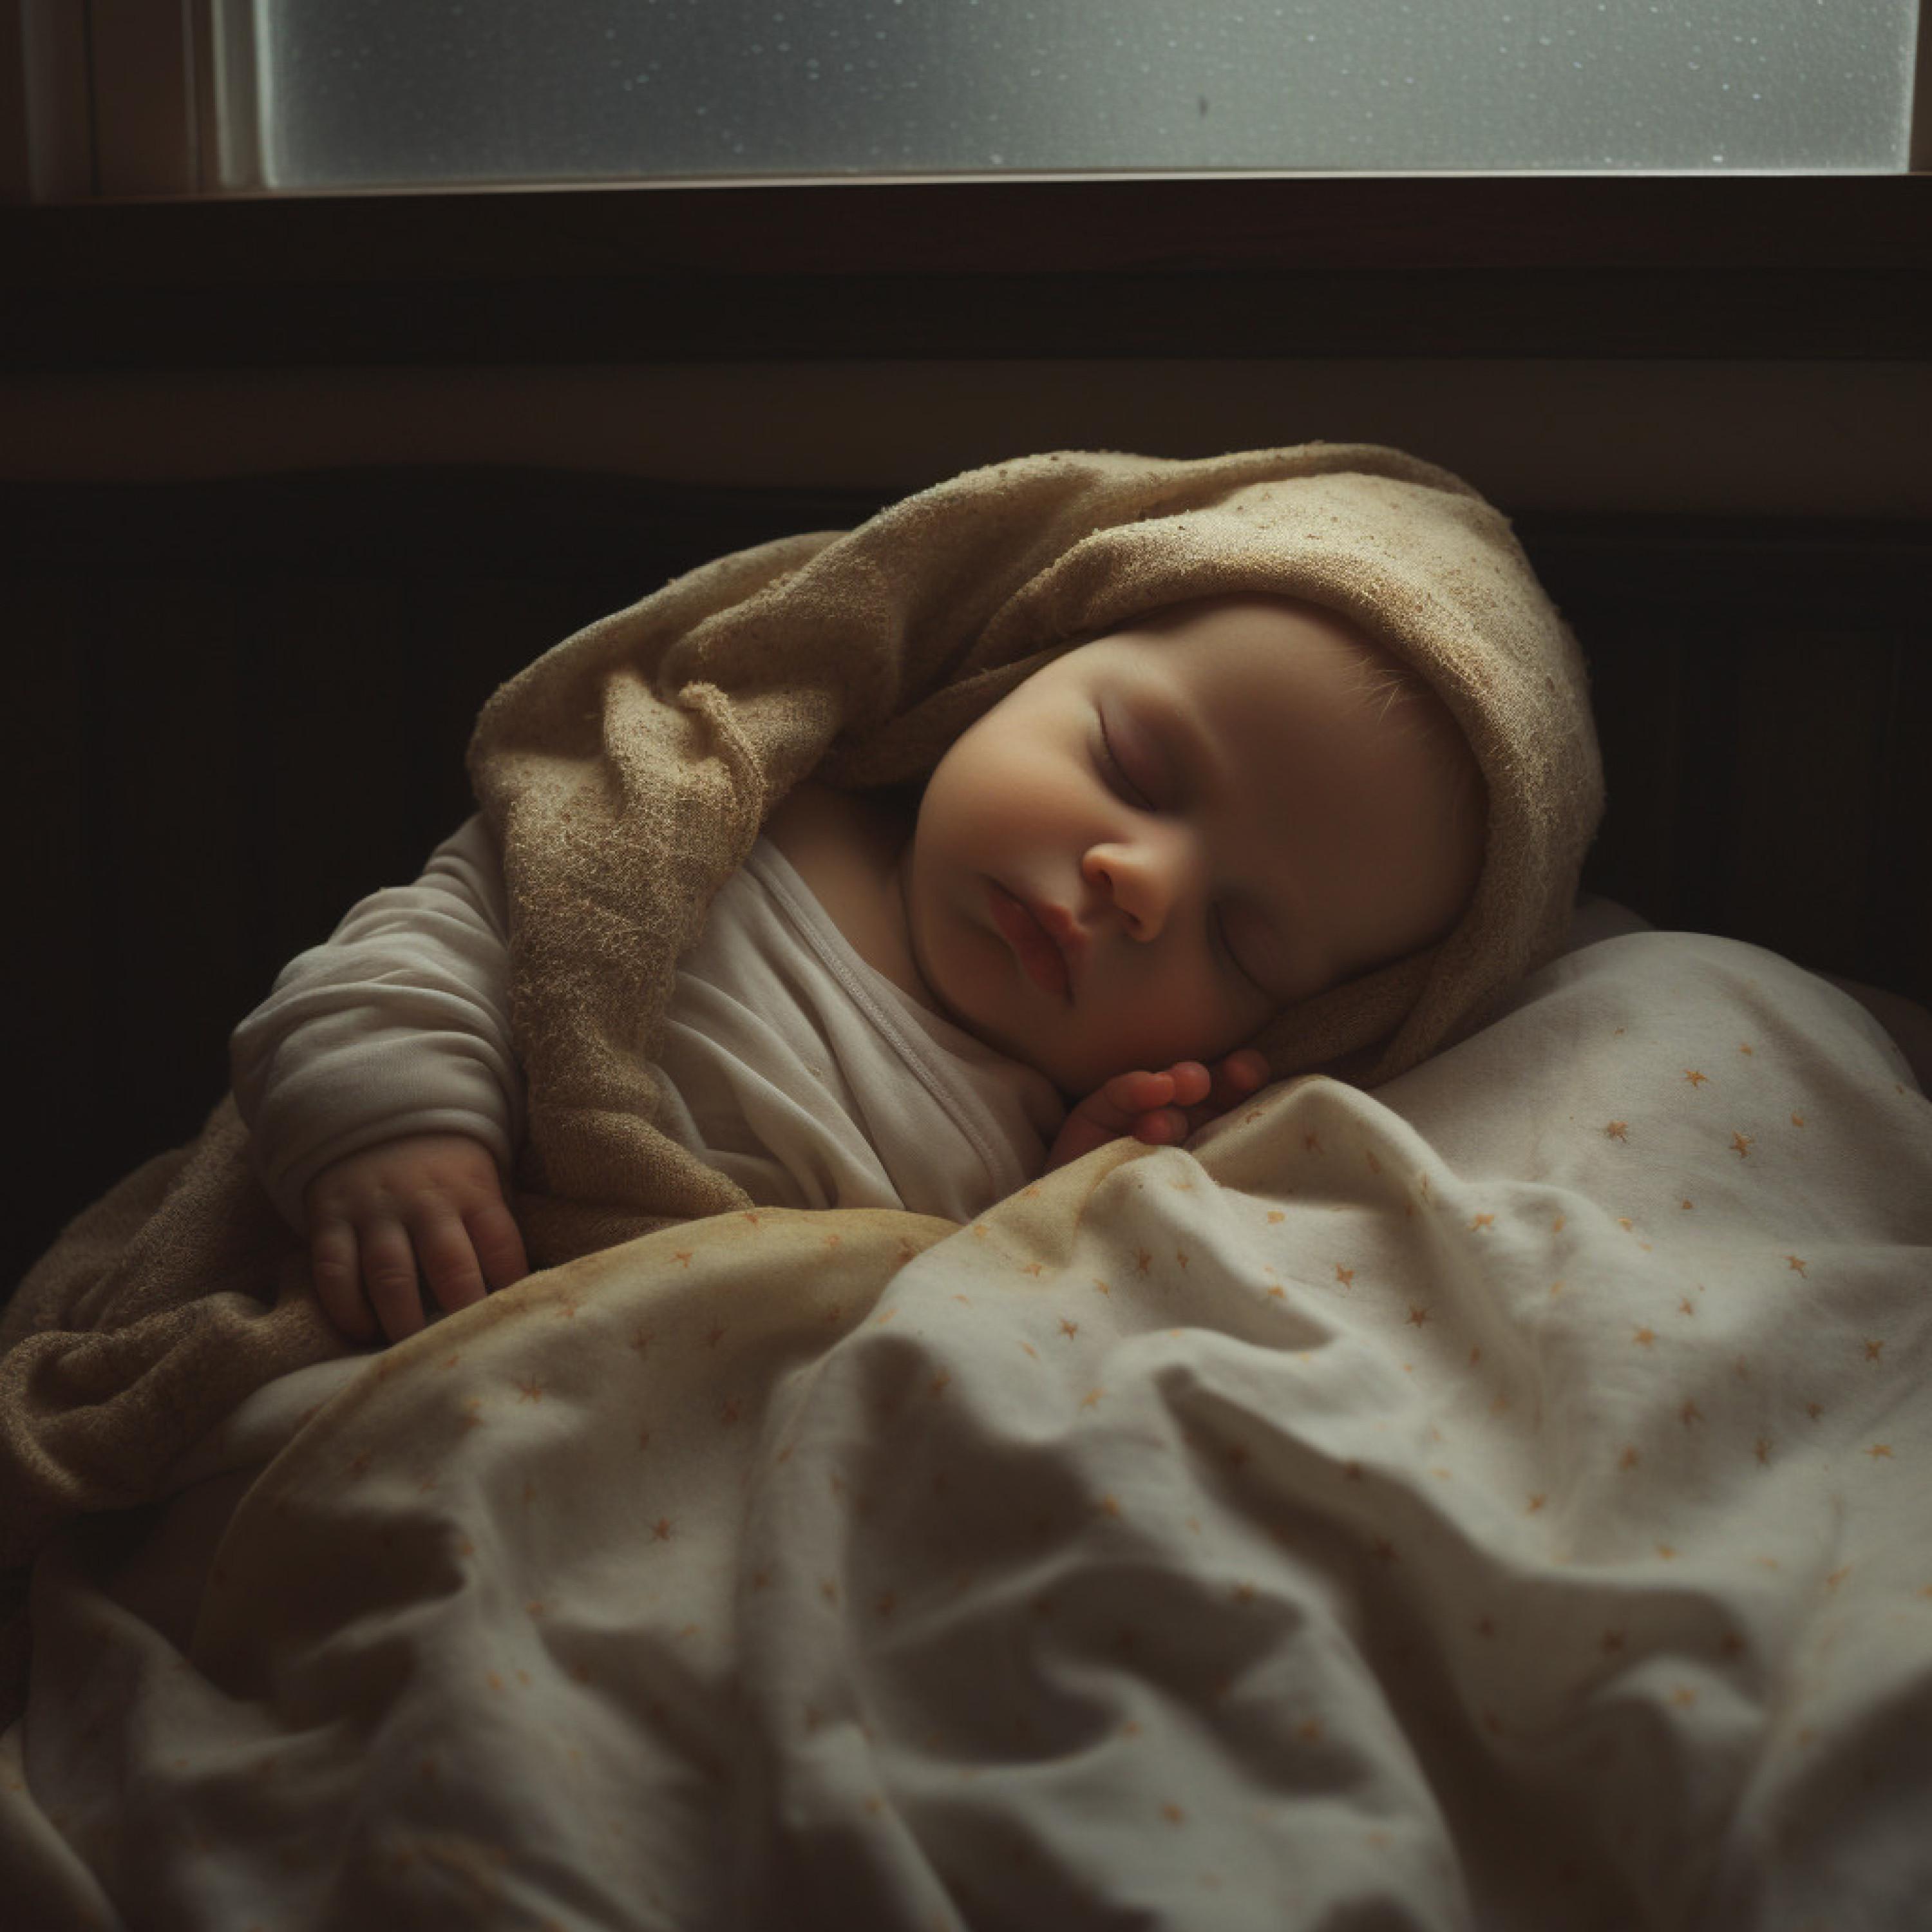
(117, 253)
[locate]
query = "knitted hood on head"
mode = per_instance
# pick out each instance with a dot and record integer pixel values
(627, 772)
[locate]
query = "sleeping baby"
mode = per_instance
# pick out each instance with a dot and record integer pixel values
(1233, 768)
(1116, 876)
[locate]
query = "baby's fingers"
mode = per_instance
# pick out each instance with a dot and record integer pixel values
(1192, 1082)
(1162, 1127)
(1243, 1072)
(1127, 1095)
(499, 1243)
(336, 1268)
(389, 1278)
(1150, 1106)
(448, 1259)
(1200, 1096)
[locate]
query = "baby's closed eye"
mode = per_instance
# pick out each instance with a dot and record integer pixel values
(1122, 765)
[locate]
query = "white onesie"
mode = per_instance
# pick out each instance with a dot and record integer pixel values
(787, 1062)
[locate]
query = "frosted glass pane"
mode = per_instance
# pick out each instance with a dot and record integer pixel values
(361, 92)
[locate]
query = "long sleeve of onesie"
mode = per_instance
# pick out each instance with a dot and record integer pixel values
(399, 1023)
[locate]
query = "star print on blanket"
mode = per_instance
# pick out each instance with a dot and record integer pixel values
(1497, 1499)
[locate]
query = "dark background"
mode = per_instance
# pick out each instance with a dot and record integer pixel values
(242, 661)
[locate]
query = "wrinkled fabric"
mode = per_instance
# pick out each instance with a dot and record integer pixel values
(1495, 1502)
(625, 775)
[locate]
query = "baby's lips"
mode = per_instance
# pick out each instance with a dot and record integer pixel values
(1039, 956)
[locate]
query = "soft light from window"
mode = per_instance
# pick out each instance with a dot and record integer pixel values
(368, 92)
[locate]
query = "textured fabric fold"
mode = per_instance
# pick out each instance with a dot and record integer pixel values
(626, 773)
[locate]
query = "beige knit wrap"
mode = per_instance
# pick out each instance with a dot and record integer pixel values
(626, 774)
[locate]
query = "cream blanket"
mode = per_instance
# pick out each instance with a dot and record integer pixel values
(626, 774)
(1495, 1501)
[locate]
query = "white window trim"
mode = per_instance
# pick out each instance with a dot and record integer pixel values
(125, 99)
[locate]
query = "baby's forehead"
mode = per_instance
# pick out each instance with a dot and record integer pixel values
(1263, 641)
(1263, 616)
(1242, 663)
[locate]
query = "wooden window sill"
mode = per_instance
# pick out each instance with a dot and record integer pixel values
(1747, 266)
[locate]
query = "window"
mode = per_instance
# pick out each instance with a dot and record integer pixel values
(368, 92)
(223, 211)
(295, 95)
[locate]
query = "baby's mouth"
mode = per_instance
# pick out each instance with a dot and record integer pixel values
(1040, 958)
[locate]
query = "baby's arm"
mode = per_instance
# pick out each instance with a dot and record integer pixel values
(1159, 1108)
(381, 1087)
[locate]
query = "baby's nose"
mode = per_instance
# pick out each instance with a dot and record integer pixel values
(1142, 880)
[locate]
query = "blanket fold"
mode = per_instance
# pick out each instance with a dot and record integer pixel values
(1414, 1508)
(625, 774)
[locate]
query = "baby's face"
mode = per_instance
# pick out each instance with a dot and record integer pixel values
(1149, 847)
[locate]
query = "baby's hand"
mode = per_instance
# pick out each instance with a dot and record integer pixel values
(1160, 1109)
(427, 1202)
